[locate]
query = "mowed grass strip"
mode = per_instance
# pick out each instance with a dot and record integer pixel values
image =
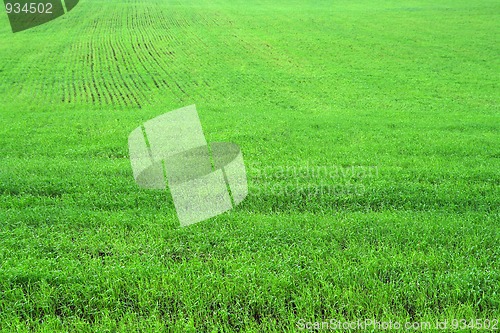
(370, 136)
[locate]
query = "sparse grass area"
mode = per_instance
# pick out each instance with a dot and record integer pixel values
(369, 131)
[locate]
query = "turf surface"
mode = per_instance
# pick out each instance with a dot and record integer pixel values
(369, 131)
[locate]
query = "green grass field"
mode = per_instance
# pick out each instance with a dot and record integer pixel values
(370, 132)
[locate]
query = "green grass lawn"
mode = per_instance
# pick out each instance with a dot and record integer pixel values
(370, 132)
